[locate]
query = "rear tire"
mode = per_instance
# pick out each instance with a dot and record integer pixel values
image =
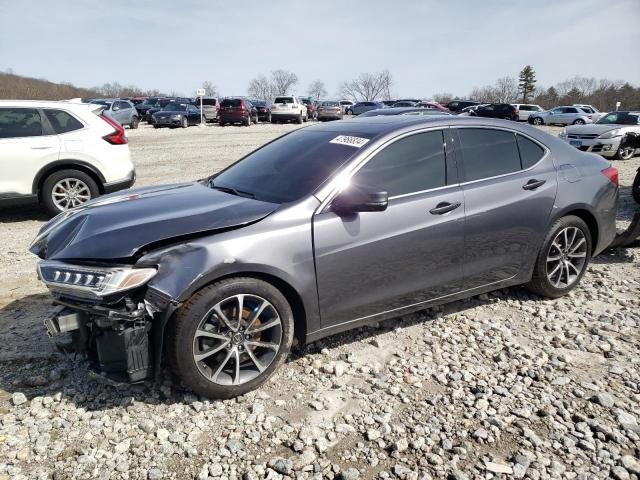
(54, 186)
(197, 315)
(299, 119)
(221, 124)
(635, 189)
(135, 121)
(247, 121)
(185, 122)
(553, 285)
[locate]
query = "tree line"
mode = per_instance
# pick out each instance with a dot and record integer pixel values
(603, 93)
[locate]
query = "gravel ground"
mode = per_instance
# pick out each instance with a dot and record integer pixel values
(505, 385)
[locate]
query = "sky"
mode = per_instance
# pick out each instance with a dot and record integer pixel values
(428, 46)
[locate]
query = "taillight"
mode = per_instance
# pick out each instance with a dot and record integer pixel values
(589, 117)
(612, 174)
(321, 109)
(119, 137)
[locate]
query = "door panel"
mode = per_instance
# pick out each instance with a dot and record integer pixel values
(374, 262)
(504, 222)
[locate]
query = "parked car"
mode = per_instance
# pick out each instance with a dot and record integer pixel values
(456, 106)
(496, 110)
(346, 105)
(635, 187)
(311, 110)
(608, 136)
(404, 103)
(288, 107)
(361, 107)
(122, 111)
(177, 114)
(210, 108)
(403, 111)
(525, 110)
(569, 115)
(595, 113)
(148, 103)
(156, 107)
(304, 237)
(388, 103)
(329, 110)
(60, 154)
(136, 100)
(432, 106)
(263, 107)
(237, 110)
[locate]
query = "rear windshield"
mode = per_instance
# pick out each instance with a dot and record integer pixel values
(306, 101)
(288, 168)
(283, 100)
(330, 104)
(258, 103)
(209, 101)
(231, 102)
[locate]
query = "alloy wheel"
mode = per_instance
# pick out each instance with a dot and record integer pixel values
(567, 257)
(237, 339)
(70, 192)
(625, 153)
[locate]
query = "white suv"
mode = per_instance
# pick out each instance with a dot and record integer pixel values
(288, 107)
(60, 154)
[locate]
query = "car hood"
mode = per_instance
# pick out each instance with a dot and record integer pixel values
(593, 128)
(168, 113)
(119, 226)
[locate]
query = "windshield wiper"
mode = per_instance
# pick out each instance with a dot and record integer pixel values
(232, 191)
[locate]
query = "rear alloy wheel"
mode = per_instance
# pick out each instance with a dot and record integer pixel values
(67, 189)
(563, 258)
(230, 337)
(135, 121)
(247, 121)
(538, 121)
(579, 121)
(299, 119)
(185, 122)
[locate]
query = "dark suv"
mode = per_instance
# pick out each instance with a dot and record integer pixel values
(263, 108)
(325, 229)
(497, 110)
(456, 106)
(237, 110)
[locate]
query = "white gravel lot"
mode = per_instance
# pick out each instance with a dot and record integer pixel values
(505, 385)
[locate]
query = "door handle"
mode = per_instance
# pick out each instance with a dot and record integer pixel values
(533, 184)
(41, 147)
(444, 207)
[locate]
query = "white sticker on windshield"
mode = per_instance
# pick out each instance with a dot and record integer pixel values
(349, 140)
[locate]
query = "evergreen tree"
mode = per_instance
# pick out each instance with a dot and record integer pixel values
(527, 82)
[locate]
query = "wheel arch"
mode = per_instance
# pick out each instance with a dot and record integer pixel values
(67, 164)
(588, 217)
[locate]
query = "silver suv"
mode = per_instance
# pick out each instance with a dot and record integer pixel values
(569, 115)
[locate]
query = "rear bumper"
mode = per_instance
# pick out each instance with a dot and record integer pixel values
(121, 184)
(329, 116)
(232, 118)
(285, 116)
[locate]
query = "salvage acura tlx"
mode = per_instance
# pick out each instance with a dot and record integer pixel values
(322, 230)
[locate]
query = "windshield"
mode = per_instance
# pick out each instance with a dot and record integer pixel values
(150, 102)
(621, 118)
(288, 168)
(175, 107)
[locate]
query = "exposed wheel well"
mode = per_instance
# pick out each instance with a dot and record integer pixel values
(42, 176)
(591, 222)
(290, 293)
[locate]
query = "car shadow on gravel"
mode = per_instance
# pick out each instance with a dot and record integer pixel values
(24, 213)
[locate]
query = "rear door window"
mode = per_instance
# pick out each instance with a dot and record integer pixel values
(62, 122)
(530, 151)
(20, 122)
(488, 153)
(411, 164)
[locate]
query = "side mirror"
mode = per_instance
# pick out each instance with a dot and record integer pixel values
(360, 198)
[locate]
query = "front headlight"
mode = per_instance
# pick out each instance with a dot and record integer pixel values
(611, 133)
(93, 281)
(563, 133)
(175, 117)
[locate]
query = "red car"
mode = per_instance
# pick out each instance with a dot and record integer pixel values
(311, 109)
(237, 110)
(433, 105)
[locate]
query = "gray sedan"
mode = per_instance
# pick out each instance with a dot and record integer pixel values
(561, 116)
(325, 229)
(122, 111)
(361, 107)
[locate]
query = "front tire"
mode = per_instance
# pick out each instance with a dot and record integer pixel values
(184, 122)
(230, 337)
(538, 121)
(624, 153)
(67, 189)
(579, 121)
(563, 258)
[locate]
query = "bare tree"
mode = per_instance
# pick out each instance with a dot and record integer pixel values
(442, 98)
(260, 87)
(282, 81)
(506, 90)
(368, 87)
(316, 90)
(211, 90)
